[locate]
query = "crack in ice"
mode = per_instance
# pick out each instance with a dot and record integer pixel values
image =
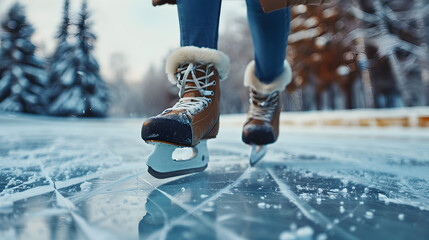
(308, 211)
(191, 210)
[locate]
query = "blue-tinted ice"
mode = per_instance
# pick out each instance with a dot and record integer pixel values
(87, 179)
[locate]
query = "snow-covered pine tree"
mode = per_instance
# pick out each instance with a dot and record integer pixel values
(22, 75)
(63, 33)
(83, 91)
(62, 58)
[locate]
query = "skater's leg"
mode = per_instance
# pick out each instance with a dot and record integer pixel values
(197, 68)
(269, 32)
(267, 76)
(199, 22)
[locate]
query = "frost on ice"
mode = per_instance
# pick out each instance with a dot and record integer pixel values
(61, 179)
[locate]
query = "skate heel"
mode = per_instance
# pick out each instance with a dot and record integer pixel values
(160, 168)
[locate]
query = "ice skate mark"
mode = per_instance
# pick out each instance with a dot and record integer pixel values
(346, 172)
(4, 192)
(223, 232)
(38, 191)
(419, 195)
(101, 189)
(307, 210)
(64, 203)
(224, 190)
(192, 210)
(32, 192)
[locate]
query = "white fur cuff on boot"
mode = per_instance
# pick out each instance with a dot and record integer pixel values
(278, 84)
(192, 54)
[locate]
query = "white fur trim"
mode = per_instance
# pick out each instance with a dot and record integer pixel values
(192, 54)
(278, 84)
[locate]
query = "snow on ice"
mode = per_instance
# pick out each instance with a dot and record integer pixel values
(87, 179)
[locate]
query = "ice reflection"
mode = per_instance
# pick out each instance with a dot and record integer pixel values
(272, 202)
(308, 186)
(160, 221)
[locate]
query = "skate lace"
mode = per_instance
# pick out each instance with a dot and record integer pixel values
(263, 107)
(192, 105)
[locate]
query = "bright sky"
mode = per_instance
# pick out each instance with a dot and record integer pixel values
(142, 33)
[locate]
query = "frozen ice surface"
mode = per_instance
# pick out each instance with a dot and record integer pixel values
(87, 179)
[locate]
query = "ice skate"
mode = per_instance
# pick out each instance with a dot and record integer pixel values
(262, 124)
(193, 119)
(160, 168)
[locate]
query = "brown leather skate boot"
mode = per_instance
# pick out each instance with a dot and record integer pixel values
(262, 124)
(197, 72)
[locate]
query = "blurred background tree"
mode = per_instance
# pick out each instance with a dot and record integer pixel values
(344, 55)
(395, 44)
(323, 61)
(82, 91)
(59, 63)
(23, 76)
(375, 52)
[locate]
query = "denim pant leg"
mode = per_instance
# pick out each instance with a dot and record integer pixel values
(269, 32)
(199, 22)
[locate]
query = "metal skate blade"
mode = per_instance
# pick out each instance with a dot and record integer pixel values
(257, 152)
(163, 162)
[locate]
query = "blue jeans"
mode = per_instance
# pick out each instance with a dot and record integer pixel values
(199, 24)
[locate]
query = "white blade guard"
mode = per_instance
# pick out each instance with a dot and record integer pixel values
(162, 164)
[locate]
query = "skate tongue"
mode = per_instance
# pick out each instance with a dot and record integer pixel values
(196, 79)
(193, 93)
(262, 100)
(191, 85)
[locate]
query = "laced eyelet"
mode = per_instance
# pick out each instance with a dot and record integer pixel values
(186, 74)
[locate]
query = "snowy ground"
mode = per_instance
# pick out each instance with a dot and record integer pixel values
(87, 179)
